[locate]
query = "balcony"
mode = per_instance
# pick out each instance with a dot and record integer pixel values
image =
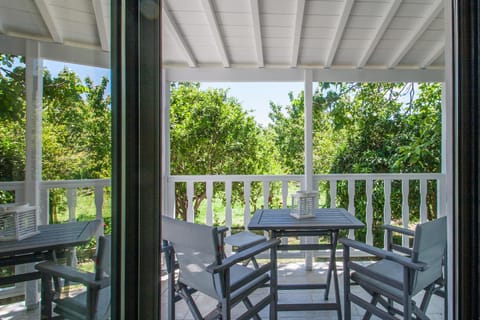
(410, 186)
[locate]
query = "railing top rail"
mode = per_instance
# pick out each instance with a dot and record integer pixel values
(335, 176)
(76, 183)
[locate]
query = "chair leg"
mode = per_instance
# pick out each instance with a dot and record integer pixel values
(183, 292)
(373, 302)
(427, 297)
(248, 304)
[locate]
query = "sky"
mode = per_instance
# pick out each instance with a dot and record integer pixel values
(254, 96)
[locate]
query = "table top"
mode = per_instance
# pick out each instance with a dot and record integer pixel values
(52, 237)
(324, 219)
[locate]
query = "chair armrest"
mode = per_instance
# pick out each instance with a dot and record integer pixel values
(243, 255)
(222, 229)
(68, 273)
(401, 230)
(384, 254)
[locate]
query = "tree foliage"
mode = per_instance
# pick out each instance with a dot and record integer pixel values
(76, 124)
(210, 134)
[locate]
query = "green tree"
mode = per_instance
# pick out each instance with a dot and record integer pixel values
(211, 134)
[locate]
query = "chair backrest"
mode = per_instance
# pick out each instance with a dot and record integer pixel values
(103, 270)
(102, 258)
(429, 246)
(196, 247)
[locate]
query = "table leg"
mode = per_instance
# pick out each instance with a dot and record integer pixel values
(331, 264)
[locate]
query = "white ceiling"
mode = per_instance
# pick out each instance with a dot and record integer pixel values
(323, 35)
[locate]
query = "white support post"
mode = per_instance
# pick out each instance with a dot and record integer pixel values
(33, 136)
(168, 205)
(308, 123)
(308, 101)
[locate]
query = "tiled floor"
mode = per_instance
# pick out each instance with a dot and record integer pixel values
(295, 273)
(288, 273)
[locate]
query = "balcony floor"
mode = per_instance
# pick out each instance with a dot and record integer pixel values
(291, 272)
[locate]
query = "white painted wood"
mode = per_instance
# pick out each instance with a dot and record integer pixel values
(423, 201)
(333, 193)
(297, 32)
(257, 32)
(98, 194)
(285, 199)
(266, 193)
(209, 193)
(212, 21)
(434, 55)
(433, 12)
(351, 203)
(177, 36)
(387, 18)
(72, 204)
(270, 74)
(308, 132)
(405, 209)
(50, 22)
(33, 153)
(167, 203)
(103, 31)
(387, 208)
(342, 22)
(369, 211)
(190, 193)
(228, 208)
(246, 197)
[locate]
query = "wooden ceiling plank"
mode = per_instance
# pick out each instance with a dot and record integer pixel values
(379, 33)
(49, 21)
(215, 29)
(103, 33)
(177, 36)
(257, 32)
(342, 22)
(436, 52)
(434, 11)
(297, 32)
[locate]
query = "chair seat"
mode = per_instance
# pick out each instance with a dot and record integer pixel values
(244, 239)
(74, 307)
(387, 268)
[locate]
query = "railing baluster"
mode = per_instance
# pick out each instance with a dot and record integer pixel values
(246, 196)
(405, 208)
(369, 211)
(423, 201)
(98, 195)
(387, 208)
(351, 203)
(72, 203)
(228, 209)
(284, 194)
(209, 193)
(266, 193)
(333, 193)
(190, 210)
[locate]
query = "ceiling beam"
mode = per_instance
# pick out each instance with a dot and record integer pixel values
(297, 32)
(298, 75)
(177, 36)
(415, 34)
(47, 17)
(103, 33)
(436, 52)
(395, 4)
(342, 22)
(215, 29)
(257, 32)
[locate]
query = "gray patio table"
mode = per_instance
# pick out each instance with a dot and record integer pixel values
(326, 222)
(51, 239)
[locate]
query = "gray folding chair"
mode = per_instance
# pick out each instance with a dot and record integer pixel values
(395, 279)
(90, 304)
(203, 267)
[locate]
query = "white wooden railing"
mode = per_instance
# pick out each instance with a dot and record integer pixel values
(288, 185)
(292, 183)
(71, 187)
